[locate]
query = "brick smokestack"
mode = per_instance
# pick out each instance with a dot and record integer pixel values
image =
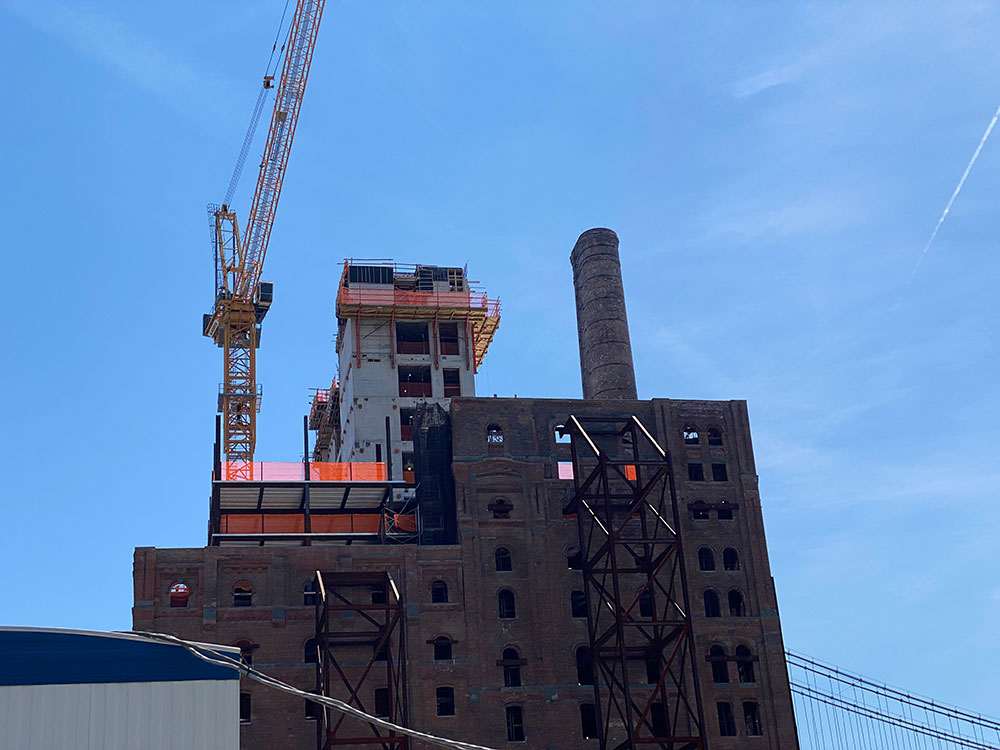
(605, 349)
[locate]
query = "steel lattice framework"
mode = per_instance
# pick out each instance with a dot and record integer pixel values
(242, 299)
(352, 650)
(634, 581)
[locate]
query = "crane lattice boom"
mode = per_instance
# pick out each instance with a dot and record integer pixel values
(242, 299)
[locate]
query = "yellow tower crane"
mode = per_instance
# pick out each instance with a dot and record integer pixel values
(242, 299)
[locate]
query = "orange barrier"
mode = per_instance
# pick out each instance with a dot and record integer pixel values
(279, 471)
(401, 298)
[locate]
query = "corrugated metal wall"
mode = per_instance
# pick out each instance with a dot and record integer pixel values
(182, 715)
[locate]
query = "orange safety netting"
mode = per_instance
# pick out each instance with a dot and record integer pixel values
(295, 523)
(402, 298)
(282, 471)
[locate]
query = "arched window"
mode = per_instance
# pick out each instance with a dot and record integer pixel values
(494, 435)
(503, 560)
(381, 701)
(515, 723)
(511, 663)
(442, 648)
(246, 651)
(712, 608)
(646, 604)
(578, 603)
(730, 559)
(706, 559)
(500, 507)
(505, 605)
(309, 594)
(720, 666)
(699, 510)
(310, 651)
(561, 435)
(243, 594)
(574, 559)
(714, 436)
(584, 666)
(691, 436)
(439, 592)
(588, 721)
(736, 606)
(179, 595)
(445, 701)
(744, 665)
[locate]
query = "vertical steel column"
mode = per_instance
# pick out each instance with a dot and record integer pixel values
(635, 587)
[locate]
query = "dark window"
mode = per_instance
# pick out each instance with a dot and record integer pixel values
(578, 604)
(406, 417)
(696, 472)
(588, 721)
(751, 719)
(706, 559)
(714, 436)
(494, 435)
(562, 435)
(712, 608)
(382, 701)
(720, 666)
(378, 596)
(409, 467)
(646, 604)
(725, 511)
(452, 383)
(652, 671)
(500, 507)
(439, 592)
(244, 708)
(699, 511)
(179, 595)
(309, 594)
(506, 607)
(511, 663)
(448, 333)
(411, 338)
(574, 560)
(691, 436)
(730, 559)
(503, 559)
(584, 666)
(442, 648)
(382, 654)
(744, 665)
(515, 724)
(727, 724)
(313, 709)
(310, 652)
(242, 595)
(415, 382)
(246, 652)
(445, 701)
(658, 719)
(736, 606)
(719, 472)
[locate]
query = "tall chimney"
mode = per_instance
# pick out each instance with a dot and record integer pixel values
(605, 349)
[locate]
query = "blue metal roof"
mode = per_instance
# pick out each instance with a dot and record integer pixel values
(42, 656)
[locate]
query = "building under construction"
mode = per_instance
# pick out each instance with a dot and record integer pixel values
(566, 573)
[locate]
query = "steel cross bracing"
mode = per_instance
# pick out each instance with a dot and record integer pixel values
(241, 299)
(351, 650)
(634, 582)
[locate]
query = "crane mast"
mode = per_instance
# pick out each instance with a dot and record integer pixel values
(242, 299)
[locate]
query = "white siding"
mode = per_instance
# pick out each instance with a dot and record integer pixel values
(121, 716)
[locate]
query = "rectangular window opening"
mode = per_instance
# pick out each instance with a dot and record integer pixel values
(588, 721)
(382, 701)
(445, 701)
(448, 333)
(244, 708)
(515, 724)
(406, 417)
(719, 472)
(727, 723)
(751, 717)
(415, 381)
(696, 472)
(412, 338)
(452, 383)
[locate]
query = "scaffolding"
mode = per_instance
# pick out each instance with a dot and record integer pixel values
(324, 418)
(360, 638)
(379, 289)
(636, 593)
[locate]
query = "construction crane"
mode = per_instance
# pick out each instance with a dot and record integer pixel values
(242, 299)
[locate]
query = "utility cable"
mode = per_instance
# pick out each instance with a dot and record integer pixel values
(221, 660)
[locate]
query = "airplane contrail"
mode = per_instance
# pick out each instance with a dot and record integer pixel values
(958, 189)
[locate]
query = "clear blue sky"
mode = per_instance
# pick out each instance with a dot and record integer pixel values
(773, 170)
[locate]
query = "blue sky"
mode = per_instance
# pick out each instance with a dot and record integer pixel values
(773, 169)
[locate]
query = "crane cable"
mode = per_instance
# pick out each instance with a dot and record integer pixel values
(222, 660)
(258, 109)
